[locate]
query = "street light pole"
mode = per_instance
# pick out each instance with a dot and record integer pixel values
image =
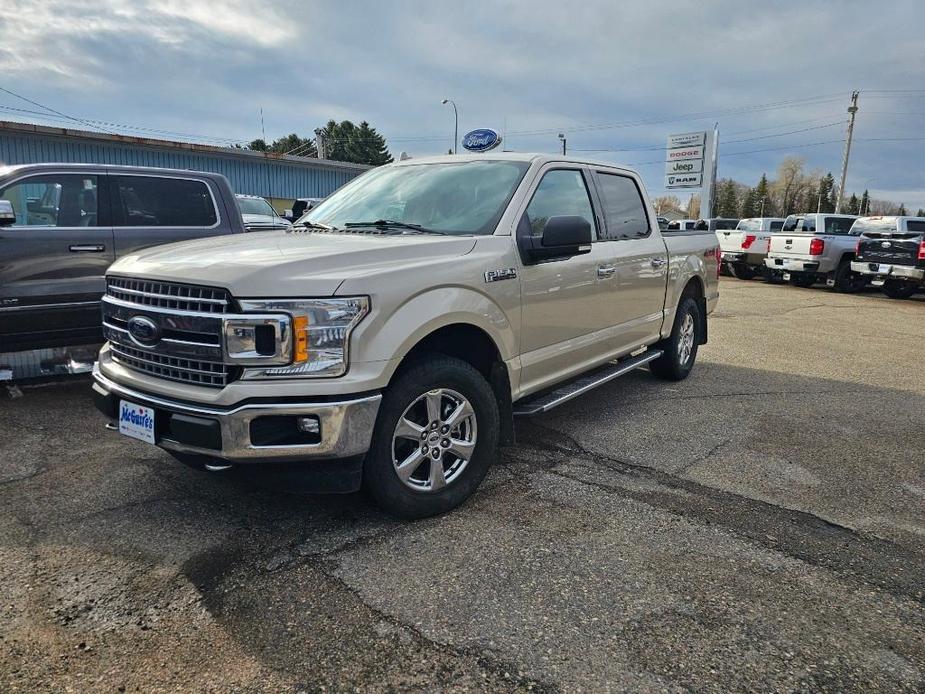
(456, 126)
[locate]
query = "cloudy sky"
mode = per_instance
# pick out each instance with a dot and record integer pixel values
(614, 77)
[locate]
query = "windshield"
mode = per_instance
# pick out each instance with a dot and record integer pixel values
(749, 225)
(464, 198)
(255, 206)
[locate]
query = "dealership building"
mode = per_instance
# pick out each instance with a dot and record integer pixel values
(279, 178)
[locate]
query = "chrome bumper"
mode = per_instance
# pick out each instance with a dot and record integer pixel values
(789, 265)
(886, 270)
(346, 426)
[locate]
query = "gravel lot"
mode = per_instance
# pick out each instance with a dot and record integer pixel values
(759, 526)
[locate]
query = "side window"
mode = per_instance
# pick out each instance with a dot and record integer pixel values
(54, 200)
(777, 226)
(838, 225)
(624, 212)
(149, 201)
(561, 192)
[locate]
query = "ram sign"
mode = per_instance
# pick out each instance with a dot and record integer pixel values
(684, 157)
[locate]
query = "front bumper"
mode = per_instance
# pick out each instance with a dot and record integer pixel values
(345, 425)
(788, 265)
(904, 272)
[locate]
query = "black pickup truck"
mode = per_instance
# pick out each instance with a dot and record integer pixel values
(891, 250)
(62, 225)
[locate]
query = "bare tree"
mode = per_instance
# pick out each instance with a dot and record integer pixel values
(663, 203)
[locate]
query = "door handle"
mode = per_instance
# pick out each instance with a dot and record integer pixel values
(605, 271)
(658, 262)
(89, 248)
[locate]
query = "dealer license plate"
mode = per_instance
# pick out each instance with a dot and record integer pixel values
(136, 421)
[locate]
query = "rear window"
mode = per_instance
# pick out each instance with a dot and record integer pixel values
(726, 224)
(838, 225)
(776, 226)
(915, 225)
(791, 223)
(749, 225)
(862, 226)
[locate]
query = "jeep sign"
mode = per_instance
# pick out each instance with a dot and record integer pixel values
(682, 167)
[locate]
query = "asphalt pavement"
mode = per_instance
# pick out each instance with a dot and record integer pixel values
(759, 526)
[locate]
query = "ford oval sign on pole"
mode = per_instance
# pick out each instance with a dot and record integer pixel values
(481, 140)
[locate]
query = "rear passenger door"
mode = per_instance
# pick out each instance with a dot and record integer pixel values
(639, 255)
(150, 210)
(53, 260)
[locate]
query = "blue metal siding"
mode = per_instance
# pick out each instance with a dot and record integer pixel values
(271, 178)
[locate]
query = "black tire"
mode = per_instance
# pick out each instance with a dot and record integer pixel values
(802, 279)
(380, 478)
(741, 271)
(900, 290)
(847, 281)
(724, 269)
(772, 276)
(672, 366)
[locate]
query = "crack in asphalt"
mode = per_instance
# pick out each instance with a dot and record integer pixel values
(861, 557)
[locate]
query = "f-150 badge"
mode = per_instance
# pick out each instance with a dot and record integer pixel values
(498, 275)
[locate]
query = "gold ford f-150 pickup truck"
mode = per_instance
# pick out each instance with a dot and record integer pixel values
(389, 339)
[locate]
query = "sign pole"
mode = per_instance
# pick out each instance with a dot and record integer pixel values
(708, 198)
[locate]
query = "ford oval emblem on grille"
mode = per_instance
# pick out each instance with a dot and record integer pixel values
(886, 244)
(144, 331)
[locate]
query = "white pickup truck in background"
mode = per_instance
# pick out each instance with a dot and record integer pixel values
(745, 248)
(816, 247)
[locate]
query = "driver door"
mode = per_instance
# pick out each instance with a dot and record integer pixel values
(567, 308)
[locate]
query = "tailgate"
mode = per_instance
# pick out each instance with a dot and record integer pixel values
(730, 241)
(895, 248)
(789, 244)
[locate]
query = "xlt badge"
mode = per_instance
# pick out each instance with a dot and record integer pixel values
(498, 275)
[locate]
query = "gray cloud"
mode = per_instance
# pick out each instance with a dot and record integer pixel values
(205, 68)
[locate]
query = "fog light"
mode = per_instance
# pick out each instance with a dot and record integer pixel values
(309, 425)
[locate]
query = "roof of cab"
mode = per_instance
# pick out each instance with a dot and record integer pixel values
(529, 157)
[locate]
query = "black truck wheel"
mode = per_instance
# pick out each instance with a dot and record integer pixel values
(741, 271)
(435, 438)
(680, 348)
(802, 279)
(847, 281)
(896, 289)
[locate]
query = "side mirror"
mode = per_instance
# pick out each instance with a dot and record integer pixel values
(7, 213)
(563, 236)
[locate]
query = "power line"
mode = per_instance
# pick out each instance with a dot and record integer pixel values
(47, 108)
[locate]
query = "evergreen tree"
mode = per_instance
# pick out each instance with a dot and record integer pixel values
(361, 144)
(749, 204)
(902, 210)
(865, 203)
(762, 194)
(825, 195)
(854, 205)
(727, 204)
(374, 149)
(291, 144)
(920, 213)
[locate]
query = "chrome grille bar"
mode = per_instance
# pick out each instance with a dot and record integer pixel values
(170, 295)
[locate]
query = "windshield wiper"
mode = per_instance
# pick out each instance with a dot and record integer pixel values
(392, 224)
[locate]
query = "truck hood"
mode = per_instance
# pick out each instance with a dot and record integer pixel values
(294, 264)
(264, 220)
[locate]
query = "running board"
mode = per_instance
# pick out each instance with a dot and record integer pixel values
(537, 404)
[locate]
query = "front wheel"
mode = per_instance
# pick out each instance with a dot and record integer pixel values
(680, 348)
(802, 279)
(741, 271)
(435, 438)
(899, 290)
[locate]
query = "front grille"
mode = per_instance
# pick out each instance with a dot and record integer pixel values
(188, 343)
(206, 373)
(182, 297)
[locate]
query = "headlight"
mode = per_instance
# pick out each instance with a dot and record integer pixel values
(320, 334)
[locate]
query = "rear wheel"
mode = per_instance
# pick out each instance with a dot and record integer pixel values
(680, 348)
(802, 279)
(741, 271)
(899, 290)
(847, 280)
(435, 437)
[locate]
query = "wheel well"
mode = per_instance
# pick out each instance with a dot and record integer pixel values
(694, 289)
(472, 345)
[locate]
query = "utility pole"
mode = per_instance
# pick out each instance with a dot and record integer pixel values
(761, 214)
(562, 137)
(852, 110)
